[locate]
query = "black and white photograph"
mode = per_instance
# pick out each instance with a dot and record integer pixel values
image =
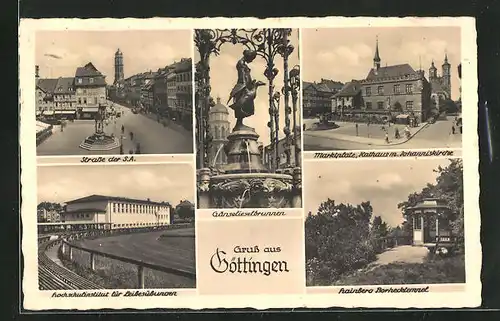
(113, 92)
(381, 222)
(116, 227)
(382, 88)
(248, 132)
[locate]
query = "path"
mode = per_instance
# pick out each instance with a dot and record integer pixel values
(402, 254)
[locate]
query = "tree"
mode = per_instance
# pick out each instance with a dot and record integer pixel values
(50, 206)
(337, 240)
(397, 107)
(185, 210)
(447, 105)
(379, 227)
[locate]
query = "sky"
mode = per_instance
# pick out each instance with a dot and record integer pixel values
(343, 54)
(384, 183)
(59, 53)
(162, 182)
(223, 77)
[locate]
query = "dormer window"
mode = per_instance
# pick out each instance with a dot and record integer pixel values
(79, 80)
(91, 80)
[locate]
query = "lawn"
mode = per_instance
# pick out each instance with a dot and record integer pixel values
(434, 270)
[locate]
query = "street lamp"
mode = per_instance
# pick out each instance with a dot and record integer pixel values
(294, 87)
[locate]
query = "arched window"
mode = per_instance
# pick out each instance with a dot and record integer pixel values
(217, 133)
(223, 133)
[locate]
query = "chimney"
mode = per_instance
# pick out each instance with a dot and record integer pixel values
(37, 71)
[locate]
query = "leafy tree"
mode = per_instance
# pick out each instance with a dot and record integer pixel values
(447, 105)
(397, 107)
(379, 227)
(185, 210)
(337, 240)
(50, 206)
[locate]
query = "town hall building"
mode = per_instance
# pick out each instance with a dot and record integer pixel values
(386, 92)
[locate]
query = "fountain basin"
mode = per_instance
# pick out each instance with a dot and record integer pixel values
(251, 190)
(100, 142)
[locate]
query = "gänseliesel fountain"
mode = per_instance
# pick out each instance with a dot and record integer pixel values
(245, 182)
(99, 140)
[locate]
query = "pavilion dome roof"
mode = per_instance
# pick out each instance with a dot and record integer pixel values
(219, 108)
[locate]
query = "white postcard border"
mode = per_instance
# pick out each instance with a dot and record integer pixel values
(36, 300)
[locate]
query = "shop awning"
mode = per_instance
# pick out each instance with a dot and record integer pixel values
(402, 116)
(90, 109)
(65, 112)
(48, 112)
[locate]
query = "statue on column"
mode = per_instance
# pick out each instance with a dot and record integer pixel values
(245, 90)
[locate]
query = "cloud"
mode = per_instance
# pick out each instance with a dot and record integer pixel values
(384, 183)
(343, 54)
(53, 56)
(163, 182)
(142, 50)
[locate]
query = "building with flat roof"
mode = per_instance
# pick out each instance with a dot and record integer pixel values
(112, 212)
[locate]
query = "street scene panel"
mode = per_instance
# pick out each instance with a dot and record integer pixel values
(146, 108)
(248, 131)
(384, 222)
(116, 227)
(369, 88)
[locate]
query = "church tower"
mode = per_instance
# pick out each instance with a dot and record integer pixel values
(118, 66)
(219, 128)
(446, 74)
(432, 72)
(376, 58)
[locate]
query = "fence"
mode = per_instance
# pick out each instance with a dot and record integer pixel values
(381, 244)
(67, 249)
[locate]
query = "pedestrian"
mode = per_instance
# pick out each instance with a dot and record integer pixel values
(396, 133)
(460, 127)
(123, 129)
(386, 138)
(131, 152)
(453, 129)
(407, 132)
(357, 129)
(131, 136)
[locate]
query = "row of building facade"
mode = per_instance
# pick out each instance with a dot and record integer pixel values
(166, 92)
(79, 96)
(386, 92)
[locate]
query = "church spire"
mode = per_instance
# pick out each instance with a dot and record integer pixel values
(445, 58)
(376, 58)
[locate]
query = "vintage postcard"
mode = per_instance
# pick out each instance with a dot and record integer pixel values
(248, 163)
